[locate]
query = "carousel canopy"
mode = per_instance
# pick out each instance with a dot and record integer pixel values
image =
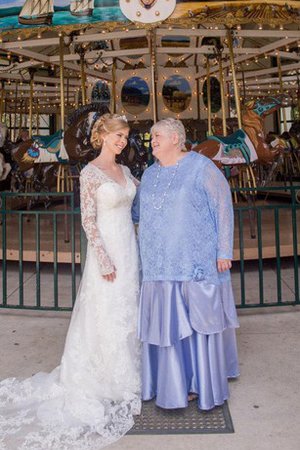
(105, 53)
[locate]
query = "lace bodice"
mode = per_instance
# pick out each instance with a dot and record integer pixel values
(93, 205)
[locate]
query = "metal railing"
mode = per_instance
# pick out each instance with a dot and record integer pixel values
(55, 268)
(279, 225)
(41, 225)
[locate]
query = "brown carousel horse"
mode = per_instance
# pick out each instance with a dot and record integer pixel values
(65, 152)
(248, 144)
(79, 148)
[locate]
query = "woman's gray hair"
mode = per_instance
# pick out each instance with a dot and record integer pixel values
(173, 126)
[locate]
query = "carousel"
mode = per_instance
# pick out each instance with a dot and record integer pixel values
(229, 70)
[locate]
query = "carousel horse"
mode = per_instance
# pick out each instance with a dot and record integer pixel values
(79, 148)
(288, 168)
(5, 166)
(247, 144)
(49, 156)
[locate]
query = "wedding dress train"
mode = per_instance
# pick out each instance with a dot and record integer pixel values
(89, 400)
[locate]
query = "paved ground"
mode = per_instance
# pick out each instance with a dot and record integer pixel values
(265, 401)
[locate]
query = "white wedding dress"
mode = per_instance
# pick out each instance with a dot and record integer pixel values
(89, 400)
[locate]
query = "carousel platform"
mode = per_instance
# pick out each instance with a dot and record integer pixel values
(57, 236)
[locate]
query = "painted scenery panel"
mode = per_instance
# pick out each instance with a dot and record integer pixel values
(135, 95)
(176, 93)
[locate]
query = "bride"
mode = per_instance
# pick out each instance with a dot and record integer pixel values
(89, 400)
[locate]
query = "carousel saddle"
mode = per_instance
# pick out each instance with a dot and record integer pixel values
(51, 143)
(47, 149)
(237, 141)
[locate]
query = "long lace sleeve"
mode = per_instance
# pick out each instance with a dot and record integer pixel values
(220, 203)
(88, 187)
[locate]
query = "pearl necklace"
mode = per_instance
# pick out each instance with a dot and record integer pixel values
(158, 205)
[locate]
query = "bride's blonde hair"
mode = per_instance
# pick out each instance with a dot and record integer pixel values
(107, 123)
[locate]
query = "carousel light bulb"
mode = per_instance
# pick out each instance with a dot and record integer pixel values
(266, 56)
(59, 34)
(1, 40)
(281, 27)
(19, 38)
(260, 27)
(81, 32)
(238, 27)
(39, 35)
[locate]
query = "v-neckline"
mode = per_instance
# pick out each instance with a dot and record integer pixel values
(112, 179)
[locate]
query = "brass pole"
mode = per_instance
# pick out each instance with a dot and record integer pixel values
(153, 73)
(15, 115)
(31, 104)
(82, 73)
(2, 100)
(209, 132)
(281, 91)
(37, 119)
(20, 117)
(223, 101)
(62, 87)
(298, 94)
(113, 87)
(235, 84)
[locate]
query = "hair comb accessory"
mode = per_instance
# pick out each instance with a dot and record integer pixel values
(123, 118)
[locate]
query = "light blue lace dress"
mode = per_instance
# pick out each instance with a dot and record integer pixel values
(187, 313)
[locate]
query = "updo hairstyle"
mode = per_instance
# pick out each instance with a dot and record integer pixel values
(107, 123)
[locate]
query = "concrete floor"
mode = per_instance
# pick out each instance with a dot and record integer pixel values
(265, 400)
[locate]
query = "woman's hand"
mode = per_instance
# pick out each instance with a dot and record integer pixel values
(223, 265)
(110, 276)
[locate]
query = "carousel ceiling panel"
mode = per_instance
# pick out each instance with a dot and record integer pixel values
(25, 16)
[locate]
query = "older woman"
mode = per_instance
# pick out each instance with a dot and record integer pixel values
(187, 312)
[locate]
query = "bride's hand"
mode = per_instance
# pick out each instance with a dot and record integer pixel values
(110, 276)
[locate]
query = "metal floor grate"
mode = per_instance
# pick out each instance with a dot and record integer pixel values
(191, 420)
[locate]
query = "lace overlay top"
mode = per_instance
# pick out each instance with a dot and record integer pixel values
(91, 178)
(182, 236)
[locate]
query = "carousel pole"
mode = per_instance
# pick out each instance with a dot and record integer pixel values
(298, 93)
(31, 72)
(209, 132)
(152, 42)
(235, 84)
(281, 91)
(113, 87)
(222, 87)
(62, 87)
(20, 117)
(2, 100)
(37, 118)
(15, 115)
(82, 74)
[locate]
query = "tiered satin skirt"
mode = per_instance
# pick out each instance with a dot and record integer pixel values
(189, 343)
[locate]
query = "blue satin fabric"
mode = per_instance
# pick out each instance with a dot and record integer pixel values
(189, 343)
